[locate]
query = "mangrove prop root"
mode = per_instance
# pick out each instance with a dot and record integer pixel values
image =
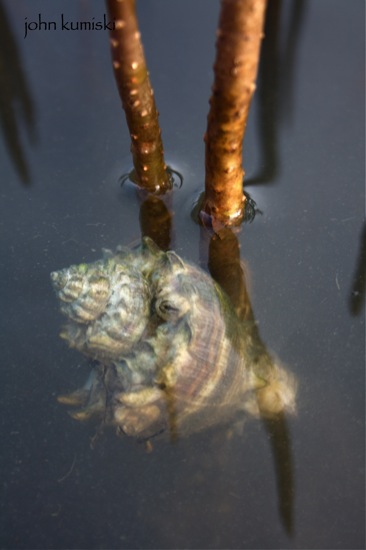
(237, 54)
(137, 97)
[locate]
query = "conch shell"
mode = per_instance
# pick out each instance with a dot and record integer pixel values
(168, 350)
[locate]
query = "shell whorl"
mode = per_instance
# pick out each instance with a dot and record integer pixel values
(106, 305)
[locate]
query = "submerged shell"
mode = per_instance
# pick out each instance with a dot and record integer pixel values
(170, 351)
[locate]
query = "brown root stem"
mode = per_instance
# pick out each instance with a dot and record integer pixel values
(238, 46)
(137, 97)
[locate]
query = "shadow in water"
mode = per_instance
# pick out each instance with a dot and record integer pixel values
(276, 85)
(15, 99)
(288, 62)
(357, 295)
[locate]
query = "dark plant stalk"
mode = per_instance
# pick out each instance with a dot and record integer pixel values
(225, 267)
(156, 220)
(132, 77)
(237, 55)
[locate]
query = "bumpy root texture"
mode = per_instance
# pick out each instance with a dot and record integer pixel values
(132, 77)
(238, 45)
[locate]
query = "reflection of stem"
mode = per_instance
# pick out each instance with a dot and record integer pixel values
(156, 221)
(225, 267)
(280, 442)
(268, 97)
(238, 45)
(137, 98)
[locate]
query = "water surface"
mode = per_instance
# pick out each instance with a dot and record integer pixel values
(304, 162)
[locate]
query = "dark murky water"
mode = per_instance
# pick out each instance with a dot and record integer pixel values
(304, 160)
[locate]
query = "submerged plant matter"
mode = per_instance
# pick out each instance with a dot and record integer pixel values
(168, 350)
